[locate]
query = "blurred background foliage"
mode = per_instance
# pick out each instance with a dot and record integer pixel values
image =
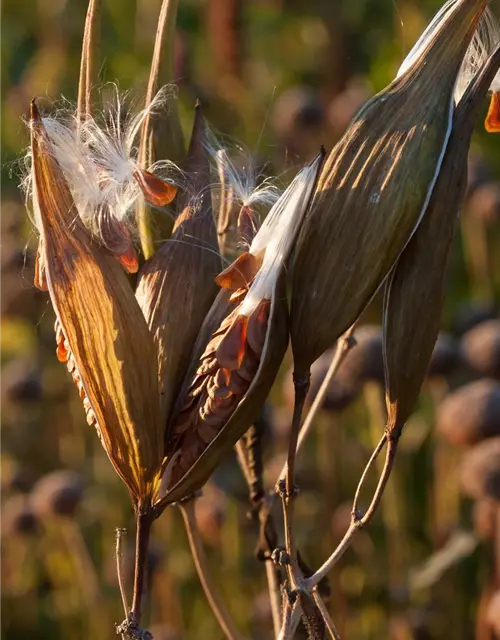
(282, 76)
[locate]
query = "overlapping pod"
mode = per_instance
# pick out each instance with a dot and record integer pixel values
(374, 189)
(176, 286)
(101, 330)
(240, 349)
(415, 289)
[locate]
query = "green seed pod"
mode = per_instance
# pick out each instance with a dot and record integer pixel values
(414, 292)
(374, 189)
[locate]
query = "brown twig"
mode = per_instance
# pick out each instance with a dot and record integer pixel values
(358, 521)
(120, 535)
(89, 46)
(329, 626)
(197, 551)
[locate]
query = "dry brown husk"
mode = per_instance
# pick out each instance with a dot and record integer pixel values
(102, 330)
(176, 286)
(373, 191)
(414, 293)
(249, 408)
(196, 445)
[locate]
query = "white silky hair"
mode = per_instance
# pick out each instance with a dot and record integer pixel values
(277, 234)
(249, 187)
(486, 37)
(99, 157)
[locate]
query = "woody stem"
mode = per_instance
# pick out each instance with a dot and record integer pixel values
(144, 522)
(200, 560)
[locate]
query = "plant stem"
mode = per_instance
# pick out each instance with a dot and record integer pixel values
(200, 560)
(120, 534)
(144, 522)
(273, 584)
(358, 522)
(330, 627)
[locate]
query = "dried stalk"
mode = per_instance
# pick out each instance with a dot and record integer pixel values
(358, 521)
(273, 585)
(87, 64)
(330, 627)
(120, 534)
(200, 560)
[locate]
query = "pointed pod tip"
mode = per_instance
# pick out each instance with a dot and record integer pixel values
(492, 121)
(34, 113)
(198, 105)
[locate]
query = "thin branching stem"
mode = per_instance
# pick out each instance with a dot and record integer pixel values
(87, 64)
(344, 345)
(287, 621)
(273, 584)
(330, 627)
(120, 535)
(200, 560)
(357, 521)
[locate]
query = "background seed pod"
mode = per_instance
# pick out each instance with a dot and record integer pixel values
(364, 362)
(480, 470)
(471, 314)
(446, 357)
(481, 348)
(18, 517)
(484, 202)
(21, 382)
(484, 518)
(471, 413)
(58, 493)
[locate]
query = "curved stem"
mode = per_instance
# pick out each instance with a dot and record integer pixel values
(356, 521)
(120, 534)
(200, 560)
(273, 584)
(144, 522)
(330, 627)
(89, 46)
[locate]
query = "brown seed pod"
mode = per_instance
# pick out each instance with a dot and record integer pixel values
(471, 413)
(102, 331)
(176, 286)
(493, 612)
(18, 517)
(484, 518)
(484, 202)
(374, 189)
(58, 493)
(471, 314)
(365, 362)
(415, 289)
(481, 348)
(239, 349)
(445, 358)
(480, 470)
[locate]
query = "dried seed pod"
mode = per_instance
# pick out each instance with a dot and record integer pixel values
(243, 351)
(493, 612)
(481, 348)
(415, 289)
(484, 202)
(58, 493)
(21, 381)
(480, 470)
(176, 286)
(484, 518)
(445, 358)
(471, 413)
(365, 362)
(471, 314)
(18, 517)
(374, 189)
(103, 332)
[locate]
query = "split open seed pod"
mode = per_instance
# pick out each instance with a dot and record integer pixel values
(101, 331)
(176, 286)
(374, 189)
(244, 341)
(414, 292)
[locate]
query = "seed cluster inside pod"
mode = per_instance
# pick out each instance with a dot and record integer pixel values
(225, 372)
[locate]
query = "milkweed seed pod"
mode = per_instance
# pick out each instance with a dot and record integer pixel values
(176, 286)
(374, 188)
(445, 357)
(481, 348)
(414, 292)
(18, 517)
(101, 332)
(58, 493)
(240, 359)
(470, 413)
(480, 470)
